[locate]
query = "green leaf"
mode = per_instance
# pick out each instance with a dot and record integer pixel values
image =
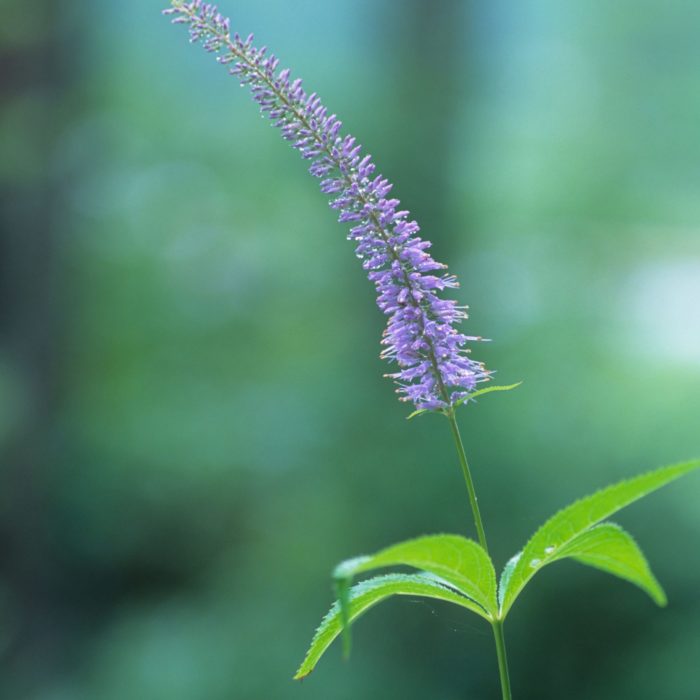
(560, 530)
(420, 412)
(342, 591)
(485, 390)
(465, 399)
(460, 562)
(505, 577)
(363, 596)
(609, 548)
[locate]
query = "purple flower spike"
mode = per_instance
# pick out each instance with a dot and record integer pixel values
(434, 368)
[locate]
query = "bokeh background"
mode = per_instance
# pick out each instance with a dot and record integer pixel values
(193, 424)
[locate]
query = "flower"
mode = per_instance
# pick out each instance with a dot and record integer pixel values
(434, 367)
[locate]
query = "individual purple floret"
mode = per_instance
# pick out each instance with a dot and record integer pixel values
(434, 368)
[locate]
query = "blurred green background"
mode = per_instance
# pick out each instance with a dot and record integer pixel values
(193, 424)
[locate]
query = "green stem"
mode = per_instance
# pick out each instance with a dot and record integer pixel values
(502, 659)
(496, 624)
(468, 479)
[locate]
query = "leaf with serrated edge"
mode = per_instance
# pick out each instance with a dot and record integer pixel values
(505, 576)
(569, 523)
(611, 549)
(370, 592)
(460, 562)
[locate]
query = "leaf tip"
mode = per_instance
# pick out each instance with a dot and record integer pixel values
(660, 597)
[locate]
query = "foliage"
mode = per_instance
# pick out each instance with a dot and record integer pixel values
(459, 571)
